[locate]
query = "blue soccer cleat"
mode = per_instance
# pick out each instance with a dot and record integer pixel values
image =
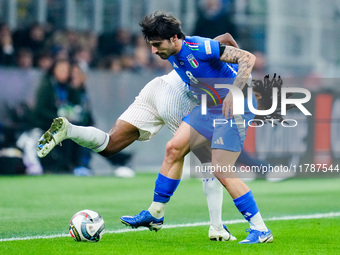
(143, 219)
(256, 236)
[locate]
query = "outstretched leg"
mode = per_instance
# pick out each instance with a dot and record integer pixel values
(107, 144)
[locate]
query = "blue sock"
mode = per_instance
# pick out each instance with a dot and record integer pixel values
(164, 188)
(246, 205)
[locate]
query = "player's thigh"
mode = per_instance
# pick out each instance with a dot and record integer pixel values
(198, 141)
(188, 137)
(143, 112)
(203, 153)
(224, 163)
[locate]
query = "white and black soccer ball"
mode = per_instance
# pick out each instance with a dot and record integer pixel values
(87, 225)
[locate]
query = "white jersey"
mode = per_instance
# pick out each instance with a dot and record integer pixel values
(163, 101)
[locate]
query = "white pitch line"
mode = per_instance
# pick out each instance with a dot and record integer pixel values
(230, 222)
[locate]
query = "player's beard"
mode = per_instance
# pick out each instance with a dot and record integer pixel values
(163, 55)
(167, 54)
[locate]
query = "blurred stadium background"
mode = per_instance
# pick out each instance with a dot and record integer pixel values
(298, 39)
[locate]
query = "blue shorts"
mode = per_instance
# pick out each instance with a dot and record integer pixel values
(224, 134)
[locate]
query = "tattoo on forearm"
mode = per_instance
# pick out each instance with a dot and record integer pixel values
(245, 62)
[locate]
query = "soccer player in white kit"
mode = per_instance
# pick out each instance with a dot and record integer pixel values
(163, 101)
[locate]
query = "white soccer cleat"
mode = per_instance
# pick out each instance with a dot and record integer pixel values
(220, 234)
(53, 136)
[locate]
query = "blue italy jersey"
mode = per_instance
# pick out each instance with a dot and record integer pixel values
(198, 64)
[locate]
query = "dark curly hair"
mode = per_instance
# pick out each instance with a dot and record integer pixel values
(265, 89)
(161, 26)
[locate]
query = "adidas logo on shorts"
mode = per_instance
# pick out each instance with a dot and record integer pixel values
(219, 141)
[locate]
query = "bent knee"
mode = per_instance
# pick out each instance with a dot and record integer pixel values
(228, 179)
(174, 151)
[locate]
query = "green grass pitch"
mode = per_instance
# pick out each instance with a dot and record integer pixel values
(43, 206)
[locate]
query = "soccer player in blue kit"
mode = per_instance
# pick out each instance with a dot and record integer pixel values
(202, 63)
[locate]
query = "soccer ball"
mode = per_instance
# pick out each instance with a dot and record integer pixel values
(87, 225)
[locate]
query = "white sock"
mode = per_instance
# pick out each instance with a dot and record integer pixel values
(89, 137)
(213, 191)
(256, 222)
(157, 209)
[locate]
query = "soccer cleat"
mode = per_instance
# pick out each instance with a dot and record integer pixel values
(220, 234)
(53, 136)
(143, 219)
(256, 236)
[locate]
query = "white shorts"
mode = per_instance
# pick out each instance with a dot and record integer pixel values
(163, 101)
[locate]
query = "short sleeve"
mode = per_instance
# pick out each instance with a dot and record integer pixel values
(211, 49)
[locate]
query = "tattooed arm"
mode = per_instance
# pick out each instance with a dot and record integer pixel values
(245, 61)
(227, 39)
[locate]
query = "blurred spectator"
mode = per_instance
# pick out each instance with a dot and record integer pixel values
(127, 61)
(111, 63)
(91, 44)
(91, 40)
(64, 43)
(7, 53)
(52, 96)
(81, 116)
(73, 41)
(35, 39)
(32, 38)
(115, 65)
(83, 57)
(62, 93)
(142, 53)
(214, 18)
(39, 44)
(61, 53)
(44, 60)
(79, 97)
(115, 43)
(25, 58)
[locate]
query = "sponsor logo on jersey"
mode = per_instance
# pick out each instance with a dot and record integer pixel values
(192, 60)
(207, 47)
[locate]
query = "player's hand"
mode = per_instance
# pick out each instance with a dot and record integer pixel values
(227, 108)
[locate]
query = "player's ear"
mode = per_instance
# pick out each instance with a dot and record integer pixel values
(174, 38)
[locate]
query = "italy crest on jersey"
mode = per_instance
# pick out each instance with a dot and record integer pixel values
(192, 60)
